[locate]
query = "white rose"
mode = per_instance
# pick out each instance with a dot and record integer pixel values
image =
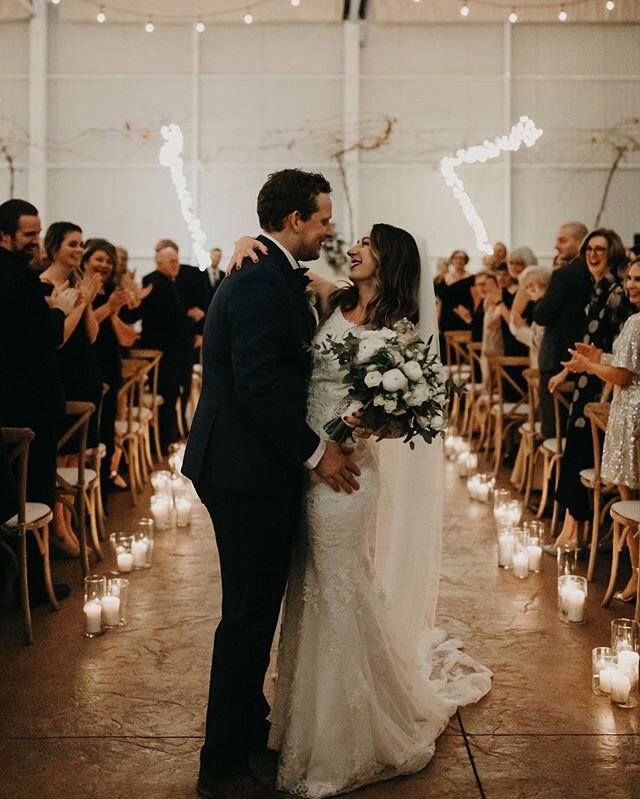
(378, 399)
(367, 348)
(393, 379)
(437, 422)
(413, 370)
(373, 379)
(390, 405)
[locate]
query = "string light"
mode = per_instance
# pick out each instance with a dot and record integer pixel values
(102, 17)
(295, 3)
(610, 5)
(200, 26)
(513, 17)
(248, 18)
(170, 156)
(562, 16)
(149, 27)
(464, 10)
(524, 132)
(56, 2)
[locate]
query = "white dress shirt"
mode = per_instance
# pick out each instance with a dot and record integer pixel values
(316, 457)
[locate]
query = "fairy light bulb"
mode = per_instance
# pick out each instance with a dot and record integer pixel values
(102, 17)
(200, 26)
(295, 3)
(149, 27)
(513, 17)
(464, 10)
(562, 16)
(55, 2)
(610, 5)
(248, 18)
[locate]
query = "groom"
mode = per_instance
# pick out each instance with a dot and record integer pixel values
(248, 445)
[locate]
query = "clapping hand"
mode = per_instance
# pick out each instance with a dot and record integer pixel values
(196, 314)
(89, 286)
(464, 313)
(117, 300)
(246, 247)
(63, 298)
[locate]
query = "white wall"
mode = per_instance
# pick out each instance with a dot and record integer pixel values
(264, 97)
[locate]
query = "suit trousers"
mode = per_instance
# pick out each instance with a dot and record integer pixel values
(254, 536)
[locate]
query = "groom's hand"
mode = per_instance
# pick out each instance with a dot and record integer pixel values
(338, 470)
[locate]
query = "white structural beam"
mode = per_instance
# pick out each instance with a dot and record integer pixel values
(507, 123)
(37, 193)
(351, 128)
(195, 165)
(27, 5)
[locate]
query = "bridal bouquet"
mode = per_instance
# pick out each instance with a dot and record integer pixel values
(394, 379)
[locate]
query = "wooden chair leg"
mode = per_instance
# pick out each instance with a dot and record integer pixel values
(46, 567)
(24, 591)
(80, 517)
(93, 521)
(531, 474)
(546, 476)
(156, 438)
(179, 418)
(618, 543)
(595, 534)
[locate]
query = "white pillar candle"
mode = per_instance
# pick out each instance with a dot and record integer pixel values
(139, 552)
(482, 492)
(125, 561)
(520, 564)
(111, 610)
(534, 553)
(623, 646)
(505, 549)
(628, 662)
(161, 511)
(606, 676)
(93, 616)
(573, 603)
(449, 446)
(183, 512)
(620, 687)
(463, 469)
(473, 483)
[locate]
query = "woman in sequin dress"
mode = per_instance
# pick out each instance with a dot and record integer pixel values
(606, 312)
(622, 368)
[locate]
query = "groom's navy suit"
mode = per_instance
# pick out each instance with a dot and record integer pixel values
(245, 456)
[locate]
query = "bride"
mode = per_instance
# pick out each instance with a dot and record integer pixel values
(365, 683)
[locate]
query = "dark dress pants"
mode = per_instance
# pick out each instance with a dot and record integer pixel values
(254, 536)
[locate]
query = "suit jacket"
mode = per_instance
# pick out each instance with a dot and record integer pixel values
(561, 312)
(195, 290)
(249, 432)
(30, 332)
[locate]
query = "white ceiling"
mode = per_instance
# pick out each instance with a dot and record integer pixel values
(323, 11)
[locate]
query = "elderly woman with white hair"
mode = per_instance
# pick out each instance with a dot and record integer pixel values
(533, 281)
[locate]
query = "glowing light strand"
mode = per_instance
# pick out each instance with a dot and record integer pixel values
(524, 132)
(170, 156)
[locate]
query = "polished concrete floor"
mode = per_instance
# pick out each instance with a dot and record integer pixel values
(121, 716)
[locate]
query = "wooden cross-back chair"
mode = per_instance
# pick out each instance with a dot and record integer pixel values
(504, 414)
(150, 398)
(458, 366)
(127, 427)
(32, 517)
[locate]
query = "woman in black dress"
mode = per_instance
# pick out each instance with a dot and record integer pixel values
(77, 361)
(606, 312)
(456, 297)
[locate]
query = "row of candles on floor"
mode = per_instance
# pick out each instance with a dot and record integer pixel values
(615, 668)
(171, 505)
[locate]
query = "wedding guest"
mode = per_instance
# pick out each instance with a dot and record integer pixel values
(561, 313)
(621, 368)
(492, 338)
(167, 326)
(31, 328)
(100, 258)
(455, 295)
(534, 281)
(606, 310)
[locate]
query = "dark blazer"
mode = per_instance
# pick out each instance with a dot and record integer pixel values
(562, 313)
(249, 432)
(195, 290)
(30, 333)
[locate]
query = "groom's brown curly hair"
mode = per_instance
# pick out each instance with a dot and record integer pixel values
(398, 278)
(287, 191)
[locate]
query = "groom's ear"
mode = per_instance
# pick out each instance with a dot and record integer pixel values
(293, 220)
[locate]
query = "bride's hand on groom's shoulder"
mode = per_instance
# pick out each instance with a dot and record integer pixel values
(338, 470)
(246, 247)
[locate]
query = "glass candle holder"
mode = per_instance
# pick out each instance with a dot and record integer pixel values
(183, 511)
(506, 542)
(513, 512)
(534, 552)
(624, 635)
(144, 534)
(467, 464)
(535, 529)
(449, 443)
(572, 595)
(161, 505)
(603, 659)
(121, 546)
(473, 481)
(175, 462)
(161, 482)
(520, 558)
(94, 591)
(117, 589)
(628, 660)
(567, 560)
(485, 485)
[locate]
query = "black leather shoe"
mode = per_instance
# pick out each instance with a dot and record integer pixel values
(242, 786)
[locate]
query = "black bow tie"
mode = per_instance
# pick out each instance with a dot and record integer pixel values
(301, 275)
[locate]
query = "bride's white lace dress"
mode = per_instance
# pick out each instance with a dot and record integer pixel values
(350, 707)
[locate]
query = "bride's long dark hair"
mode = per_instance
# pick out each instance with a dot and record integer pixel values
(398, 276)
